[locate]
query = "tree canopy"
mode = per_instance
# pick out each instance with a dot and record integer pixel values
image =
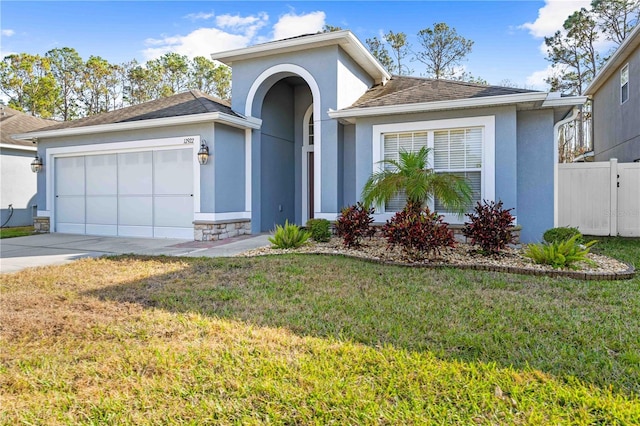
(62, 85)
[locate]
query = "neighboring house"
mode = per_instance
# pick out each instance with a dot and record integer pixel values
(615, 93)
(17, 182)
(310, 119)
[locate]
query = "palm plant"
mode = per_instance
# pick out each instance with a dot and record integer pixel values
(411, 174)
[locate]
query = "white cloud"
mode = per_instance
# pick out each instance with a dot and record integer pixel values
(200, 16)
(247, 25)
(291, 25)
(536, 80)
(8, 32)
(233, 32)
(552, 15)
(201, 42)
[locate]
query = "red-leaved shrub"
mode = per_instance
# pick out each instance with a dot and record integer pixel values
(418, 231)
(490, 227)
(354, 224)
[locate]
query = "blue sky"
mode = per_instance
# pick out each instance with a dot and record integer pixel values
(508, 34)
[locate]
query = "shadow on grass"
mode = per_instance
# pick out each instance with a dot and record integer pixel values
(563, 327)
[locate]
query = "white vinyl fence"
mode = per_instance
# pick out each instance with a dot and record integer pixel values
(600, 198)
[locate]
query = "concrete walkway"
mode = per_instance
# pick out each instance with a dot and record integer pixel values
(54, 249)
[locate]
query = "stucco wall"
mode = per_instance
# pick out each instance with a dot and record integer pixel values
(616, 126)
(535, 173)
(229, 172)
(17, 187)
(350, 196)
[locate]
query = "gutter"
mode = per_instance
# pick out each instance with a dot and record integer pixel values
(18, 147)
(549, 100)
(219, 117)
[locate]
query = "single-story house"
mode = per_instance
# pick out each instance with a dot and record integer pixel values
(309, 121)
(17, 182)
(615, 93)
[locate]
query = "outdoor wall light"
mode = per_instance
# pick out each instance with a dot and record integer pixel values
(36, 164)
(203, 153)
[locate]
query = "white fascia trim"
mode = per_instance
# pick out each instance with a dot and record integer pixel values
(345, 39)
(440, 105)
(18, 147)
(488, 123)
(212, 217)
(618, 58)
(242, 123)
(564, 101)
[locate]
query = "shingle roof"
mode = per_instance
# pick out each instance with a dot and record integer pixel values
(13, 122)
(186, 103)
(402, 90)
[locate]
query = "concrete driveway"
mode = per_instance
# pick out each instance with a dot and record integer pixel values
(53, 249)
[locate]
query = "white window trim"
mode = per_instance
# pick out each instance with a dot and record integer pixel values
(116, 148)
(626, 66)
(488, 174)
(306, 149)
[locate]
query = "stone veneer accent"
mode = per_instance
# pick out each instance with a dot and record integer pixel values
(220, 229)
(41, 225)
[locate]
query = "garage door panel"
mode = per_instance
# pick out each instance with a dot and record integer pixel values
(135, 173)
(135, 231)
(106, 230)
(70, 209)
(70, 176)
(101, 174)
(102, 210)
(173, 211)
(173, 172)
(135, 211)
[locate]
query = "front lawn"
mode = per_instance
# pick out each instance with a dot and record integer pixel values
(302, 339)
(19, 231)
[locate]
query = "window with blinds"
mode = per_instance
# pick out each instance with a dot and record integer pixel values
(456, 151)
(394, 143)
(459, 152)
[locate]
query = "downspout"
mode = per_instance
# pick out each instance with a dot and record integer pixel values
(556, 138)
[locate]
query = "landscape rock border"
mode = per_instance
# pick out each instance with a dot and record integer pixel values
(623, 271)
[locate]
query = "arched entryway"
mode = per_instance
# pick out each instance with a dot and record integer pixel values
(285, 160)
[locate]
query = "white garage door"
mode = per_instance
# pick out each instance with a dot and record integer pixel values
(134, 194)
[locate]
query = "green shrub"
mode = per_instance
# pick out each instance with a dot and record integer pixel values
(289, 236)
(560, 254)
(556, 235)
(320, 229)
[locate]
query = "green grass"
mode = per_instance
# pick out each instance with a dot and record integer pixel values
(625, 249)
(313, 340)
(20, 231)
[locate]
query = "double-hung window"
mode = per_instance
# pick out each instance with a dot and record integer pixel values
(459, 152)
(624, 84)
(463, 147)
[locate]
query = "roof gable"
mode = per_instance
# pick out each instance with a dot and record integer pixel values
(345, 39)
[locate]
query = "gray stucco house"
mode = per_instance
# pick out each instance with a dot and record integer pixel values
(615, 93)
(309, 121)
(17, 182)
